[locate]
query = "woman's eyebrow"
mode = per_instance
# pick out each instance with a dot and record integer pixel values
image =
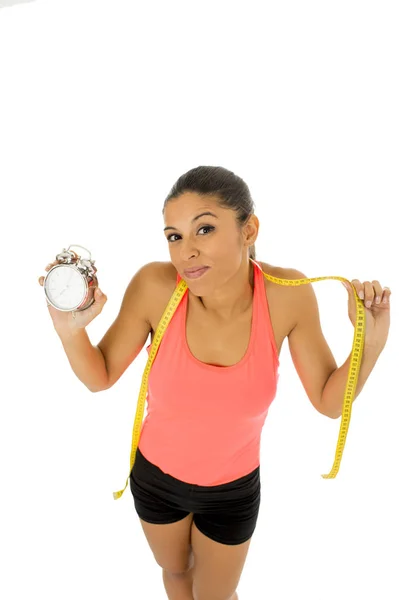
(207, 213)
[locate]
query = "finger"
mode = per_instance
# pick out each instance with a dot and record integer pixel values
(51, 264)
(368, 293)
(99, 295)
(377, 291)
(358, 287)
(386, 295)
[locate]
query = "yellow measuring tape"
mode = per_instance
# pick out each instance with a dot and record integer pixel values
(353, 375)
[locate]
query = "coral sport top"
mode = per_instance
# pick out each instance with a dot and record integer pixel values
(204, 422)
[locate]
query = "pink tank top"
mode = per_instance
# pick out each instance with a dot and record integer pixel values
(204, 422)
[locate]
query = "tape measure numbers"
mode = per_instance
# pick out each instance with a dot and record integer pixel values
(353, 375)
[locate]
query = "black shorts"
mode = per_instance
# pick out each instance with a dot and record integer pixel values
(226, 513)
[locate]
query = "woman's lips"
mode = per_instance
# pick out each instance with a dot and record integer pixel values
(196, 274)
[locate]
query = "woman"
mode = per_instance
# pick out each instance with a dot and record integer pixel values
(195, 480)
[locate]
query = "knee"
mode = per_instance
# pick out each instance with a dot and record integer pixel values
(180, 570)
(175, 574)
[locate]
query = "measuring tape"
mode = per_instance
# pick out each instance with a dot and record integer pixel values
(354, 367)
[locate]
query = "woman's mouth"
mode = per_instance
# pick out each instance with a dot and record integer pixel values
(196, 274)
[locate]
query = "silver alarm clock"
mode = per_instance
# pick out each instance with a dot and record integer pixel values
(69, 286)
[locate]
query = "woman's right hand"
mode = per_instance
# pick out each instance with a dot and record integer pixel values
(63, 321)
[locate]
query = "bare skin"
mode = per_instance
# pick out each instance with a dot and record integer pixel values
(230, 344)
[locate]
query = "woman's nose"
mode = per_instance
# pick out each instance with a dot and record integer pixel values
(188, 251)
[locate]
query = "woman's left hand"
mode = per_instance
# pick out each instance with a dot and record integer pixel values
(378, 314)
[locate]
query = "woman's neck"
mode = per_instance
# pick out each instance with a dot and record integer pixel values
(234, 298)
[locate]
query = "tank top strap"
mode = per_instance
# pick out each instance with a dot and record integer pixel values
(257, 272)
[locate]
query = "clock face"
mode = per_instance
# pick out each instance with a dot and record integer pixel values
(65, 287)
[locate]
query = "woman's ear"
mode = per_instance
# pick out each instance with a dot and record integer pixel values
(251, 230)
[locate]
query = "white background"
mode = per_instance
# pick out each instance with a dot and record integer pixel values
(103, 105)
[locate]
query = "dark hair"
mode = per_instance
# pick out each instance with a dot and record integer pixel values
(229, 189)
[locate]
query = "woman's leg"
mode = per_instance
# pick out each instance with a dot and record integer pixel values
(179, 586)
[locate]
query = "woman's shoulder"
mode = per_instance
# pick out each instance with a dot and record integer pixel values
(165, 275)
(162, 280)
(285, 301)
(280, 272)
(292, 292)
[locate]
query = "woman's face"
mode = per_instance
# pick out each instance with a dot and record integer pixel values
(211, 240)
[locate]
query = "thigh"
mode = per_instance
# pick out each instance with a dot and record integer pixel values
(217, 567)
(171, 544)
(221, 535)
(166, 522)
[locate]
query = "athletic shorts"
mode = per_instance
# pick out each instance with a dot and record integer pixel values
(226, 513)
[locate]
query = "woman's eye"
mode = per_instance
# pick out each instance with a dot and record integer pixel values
(210, 227)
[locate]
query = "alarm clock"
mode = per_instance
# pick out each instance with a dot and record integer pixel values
(69, 285)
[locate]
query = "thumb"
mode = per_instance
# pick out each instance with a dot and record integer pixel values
(98, 294)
